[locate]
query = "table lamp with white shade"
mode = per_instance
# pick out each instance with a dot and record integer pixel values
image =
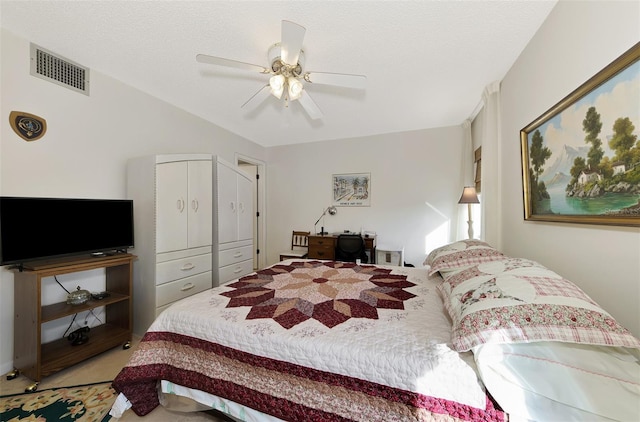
(469, 196)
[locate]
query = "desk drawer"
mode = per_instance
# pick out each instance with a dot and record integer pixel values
(321, 241)
(326, 251)
(322, 247)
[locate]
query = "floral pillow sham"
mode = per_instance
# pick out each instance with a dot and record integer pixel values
(515, 300)
(460, 255)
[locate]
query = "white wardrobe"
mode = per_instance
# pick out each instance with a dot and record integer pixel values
(193, 228)
(233, 223)
(173, 228)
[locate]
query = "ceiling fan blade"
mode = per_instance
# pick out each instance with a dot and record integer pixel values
(337, 79)
(258, 97)
(310, 106)
(291, 42)
(219, 61)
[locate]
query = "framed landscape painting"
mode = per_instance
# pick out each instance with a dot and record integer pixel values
(352, 190)
(581, 159)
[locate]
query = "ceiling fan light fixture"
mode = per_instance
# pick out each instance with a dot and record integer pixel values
(295, 88)
(277, 85)
(287, 72)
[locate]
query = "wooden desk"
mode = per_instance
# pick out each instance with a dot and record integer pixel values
(324, 246)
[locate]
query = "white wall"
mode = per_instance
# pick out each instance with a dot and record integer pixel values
(415, 186)
(576, 42)
(88, 140)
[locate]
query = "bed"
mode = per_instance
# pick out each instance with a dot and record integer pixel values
(334, 341)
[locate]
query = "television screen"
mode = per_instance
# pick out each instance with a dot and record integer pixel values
(38, 228)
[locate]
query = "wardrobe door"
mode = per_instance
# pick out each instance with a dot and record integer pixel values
(245, 207)
(171, 206)
(227, 204)
(200, 188)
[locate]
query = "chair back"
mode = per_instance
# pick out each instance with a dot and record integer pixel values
(299, 246)
(351, 247)
(299, 239)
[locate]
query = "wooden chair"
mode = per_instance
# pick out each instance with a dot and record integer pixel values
(299, 246)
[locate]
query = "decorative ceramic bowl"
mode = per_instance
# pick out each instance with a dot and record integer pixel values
(78, 297)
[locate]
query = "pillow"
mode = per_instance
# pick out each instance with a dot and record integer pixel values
(516, 300)
(460, 255)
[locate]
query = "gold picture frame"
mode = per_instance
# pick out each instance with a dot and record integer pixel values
(581, 158)
(27, 126)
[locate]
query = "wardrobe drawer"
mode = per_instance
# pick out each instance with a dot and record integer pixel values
(237, 270)
(179, 289)
(231, 256)
(183, 267)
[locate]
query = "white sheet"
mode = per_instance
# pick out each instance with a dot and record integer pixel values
(552, 381)
(232, 409)
(408, 350)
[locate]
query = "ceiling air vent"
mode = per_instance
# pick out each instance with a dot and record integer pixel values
(53, 68)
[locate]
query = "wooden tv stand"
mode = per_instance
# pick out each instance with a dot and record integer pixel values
(37, 360)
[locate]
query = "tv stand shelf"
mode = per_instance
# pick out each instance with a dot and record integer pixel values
(63, 309)
(37, 360)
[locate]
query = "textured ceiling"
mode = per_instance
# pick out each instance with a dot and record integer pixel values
(426, 62)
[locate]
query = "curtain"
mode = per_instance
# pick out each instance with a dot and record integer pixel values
(467, 178)
(491, 145)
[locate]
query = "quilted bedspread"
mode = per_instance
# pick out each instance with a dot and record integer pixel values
(314, 340)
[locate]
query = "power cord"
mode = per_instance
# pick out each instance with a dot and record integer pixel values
(70, 325)
(65, 289)
(75, 315)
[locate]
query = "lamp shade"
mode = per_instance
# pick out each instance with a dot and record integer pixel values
(469, 196)
(277, 85)
(295, 88)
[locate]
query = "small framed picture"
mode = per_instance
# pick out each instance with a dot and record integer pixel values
(351, 190)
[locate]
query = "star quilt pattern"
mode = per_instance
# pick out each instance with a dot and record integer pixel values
(329, 292)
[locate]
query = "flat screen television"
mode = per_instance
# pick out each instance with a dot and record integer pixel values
(33, 228)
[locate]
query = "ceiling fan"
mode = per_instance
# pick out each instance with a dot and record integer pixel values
(288, 76)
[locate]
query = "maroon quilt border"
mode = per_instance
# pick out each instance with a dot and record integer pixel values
(139, 385)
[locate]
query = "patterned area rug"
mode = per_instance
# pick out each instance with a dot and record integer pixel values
(82, 403)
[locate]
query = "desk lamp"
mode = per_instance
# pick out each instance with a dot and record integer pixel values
(469, 197)
(332, 211)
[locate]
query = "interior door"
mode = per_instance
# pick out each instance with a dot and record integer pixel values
(255, 169)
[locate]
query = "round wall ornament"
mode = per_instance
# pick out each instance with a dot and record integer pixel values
(28, 126)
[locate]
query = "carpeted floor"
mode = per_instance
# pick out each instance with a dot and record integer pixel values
(96, 370)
